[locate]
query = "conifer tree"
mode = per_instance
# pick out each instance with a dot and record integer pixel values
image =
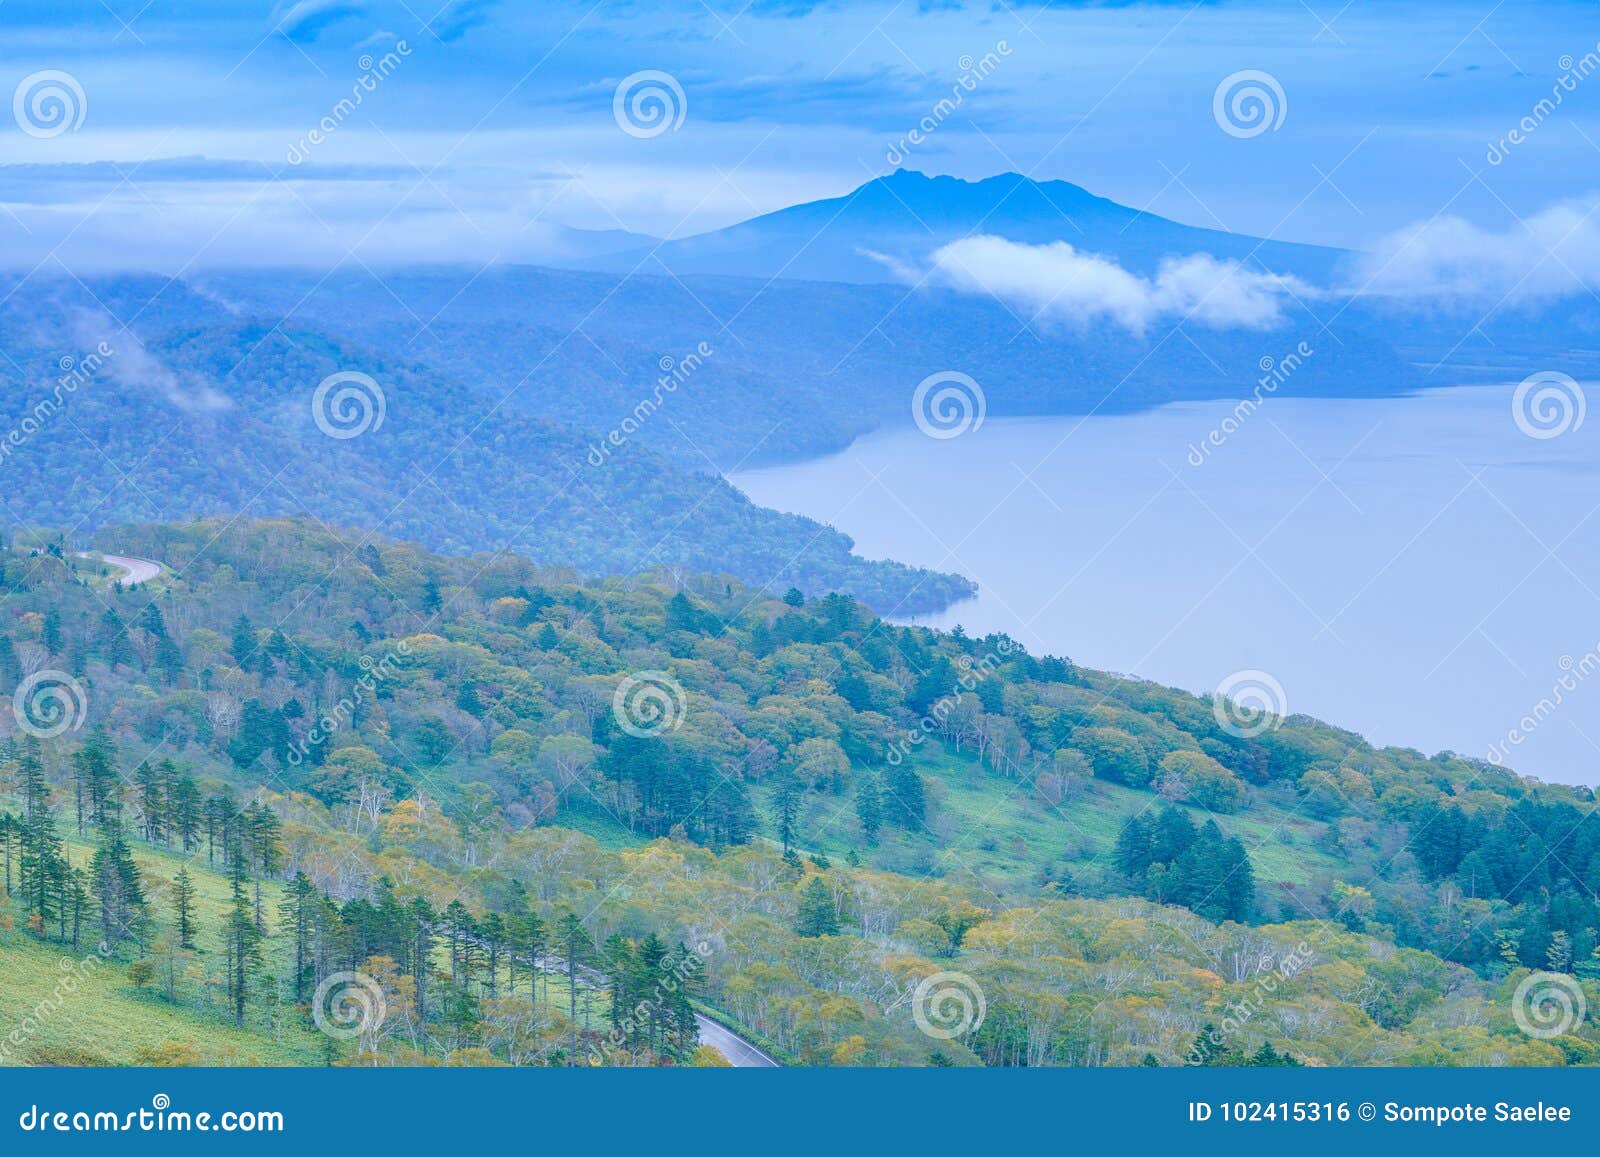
(241, 940)
(117, 887)
(818, 916)
(869, 806)
(183, 901)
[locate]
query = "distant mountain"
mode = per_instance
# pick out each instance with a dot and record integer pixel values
(799, 368)
(575, 248)
(906, 215)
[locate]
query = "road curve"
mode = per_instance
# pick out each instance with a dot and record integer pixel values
(135, 570)
(741, 1053)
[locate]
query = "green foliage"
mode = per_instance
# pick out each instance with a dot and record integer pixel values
(817, 914)
(981, 804)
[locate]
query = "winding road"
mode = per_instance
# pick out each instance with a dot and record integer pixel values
(136, 570)
(741, 1053)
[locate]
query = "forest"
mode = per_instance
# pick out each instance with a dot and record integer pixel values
(316, 797)
(215, 410)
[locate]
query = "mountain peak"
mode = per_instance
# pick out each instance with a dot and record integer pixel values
(997, 187)
(906, 214)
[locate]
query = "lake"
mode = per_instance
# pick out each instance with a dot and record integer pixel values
(1417, 569)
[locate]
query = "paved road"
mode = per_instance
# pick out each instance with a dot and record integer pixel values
(741, 1053)
(136, 570)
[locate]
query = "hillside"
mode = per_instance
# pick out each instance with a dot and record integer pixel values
(459, 777)
(194, 411)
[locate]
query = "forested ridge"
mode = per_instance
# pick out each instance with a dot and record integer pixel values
(200, 408)
(548, 818)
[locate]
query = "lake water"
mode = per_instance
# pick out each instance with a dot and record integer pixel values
(1416, 569)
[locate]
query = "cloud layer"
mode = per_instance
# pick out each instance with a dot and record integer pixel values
(1552, 253)
(1056, 282)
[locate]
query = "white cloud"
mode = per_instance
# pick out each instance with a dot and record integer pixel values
(1553, 253)
(131, 365)
(1057, 282)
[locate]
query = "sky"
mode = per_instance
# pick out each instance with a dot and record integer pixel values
(484, 128)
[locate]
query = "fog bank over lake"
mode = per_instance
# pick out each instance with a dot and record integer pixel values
(1419, 569)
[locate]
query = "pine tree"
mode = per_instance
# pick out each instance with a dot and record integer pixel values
(909, 802)
(262, 843)
(534, 940)
(869, 806)
(75, 902)
(621, 964)
(112, 640)
(97, 789)
(244, 641)
(458, 927)
(184, 806)
(10, 844)
(423, 920)
(43, 868)
(578, 949)
(241, 941)
(494, 940)
(652, 974)
(51, 634)
(786, 799)
(118, 888)
(818, 916)
(150, 620)
(183, 901)
(687, 969)
(297, 914)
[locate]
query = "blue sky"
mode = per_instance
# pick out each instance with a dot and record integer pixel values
(497, 125)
